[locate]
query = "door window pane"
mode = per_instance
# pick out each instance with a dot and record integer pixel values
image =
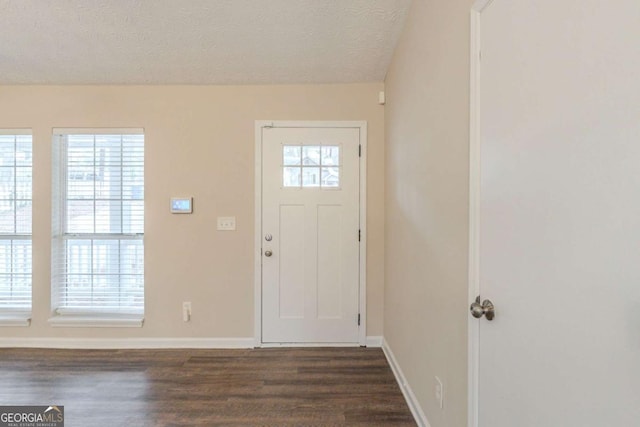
(331, 177)
(311, 177)
(330, 155)
(311, 166)
(292, 155)
(311, 155)
(291, 177)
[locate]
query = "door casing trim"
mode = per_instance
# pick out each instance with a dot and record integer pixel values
(473, 331)
(362, 288)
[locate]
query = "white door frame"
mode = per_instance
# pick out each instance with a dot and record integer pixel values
(362, 292)
(474, 207)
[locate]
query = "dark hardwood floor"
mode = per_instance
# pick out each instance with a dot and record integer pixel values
(261, 387)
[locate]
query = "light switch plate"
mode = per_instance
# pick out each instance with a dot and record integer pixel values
(226, 223)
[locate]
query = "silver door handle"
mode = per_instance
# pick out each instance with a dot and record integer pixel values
(485, 309)
(268, 253)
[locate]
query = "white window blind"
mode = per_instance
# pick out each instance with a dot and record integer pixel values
(98, 222)
(15, 221)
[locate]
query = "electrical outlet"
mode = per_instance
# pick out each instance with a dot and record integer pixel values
(439, 392)
(186, 311)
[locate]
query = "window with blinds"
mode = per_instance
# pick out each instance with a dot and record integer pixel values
(98, 222)
(15, 222)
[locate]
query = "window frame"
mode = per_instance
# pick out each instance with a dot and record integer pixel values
(18, 315)
(67, 316)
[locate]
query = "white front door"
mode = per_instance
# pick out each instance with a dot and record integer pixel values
(310, 235)
(559, 213)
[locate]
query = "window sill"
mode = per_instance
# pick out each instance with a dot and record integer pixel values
(96, 321)
(15, 319)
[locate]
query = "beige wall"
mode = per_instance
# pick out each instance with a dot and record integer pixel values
(200, 142)
(425, 314)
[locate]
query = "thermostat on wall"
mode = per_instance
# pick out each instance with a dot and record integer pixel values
(182, 205)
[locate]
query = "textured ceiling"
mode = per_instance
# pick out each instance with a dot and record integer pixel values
(197, 41)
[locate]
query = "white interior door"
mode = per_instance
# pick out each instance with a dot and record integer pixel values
(310, 235)
(559, 206)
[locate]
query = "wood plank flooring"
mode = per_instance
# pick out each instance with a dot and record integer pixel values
(256, 387)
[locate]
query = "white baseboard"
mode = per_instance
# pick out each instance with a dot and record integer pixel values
(168, 343)
(412, 401)
(374, 341)
(371, 341)
(127, 343)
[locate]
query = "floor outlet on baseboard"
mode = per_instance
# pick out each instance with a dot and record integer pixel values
(186, 311)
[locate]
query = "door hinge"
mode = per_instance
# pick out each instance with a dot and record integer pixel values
(359, 150)
(358, 319)
(359, 235)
